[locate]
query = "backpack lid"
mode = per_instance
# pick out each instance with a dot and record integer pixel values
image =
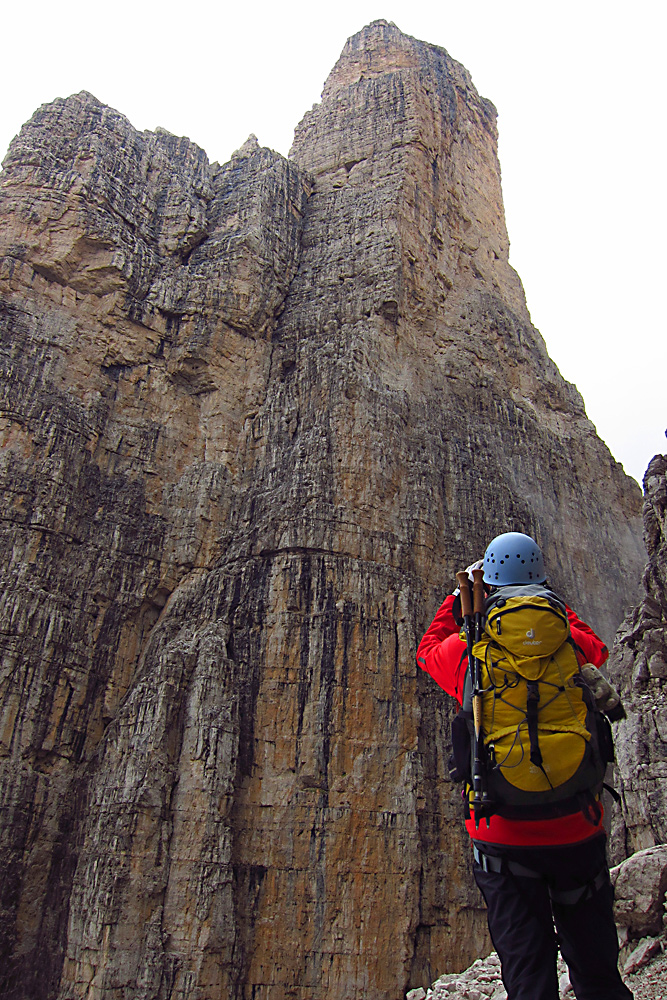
(501, 594)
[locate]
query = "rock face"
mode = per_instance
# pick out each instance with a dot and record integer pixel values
(638, 665)
(253, 418)
(640, 884)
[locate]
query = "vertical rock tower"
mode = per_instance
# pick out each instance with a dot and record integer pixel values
(253, 418)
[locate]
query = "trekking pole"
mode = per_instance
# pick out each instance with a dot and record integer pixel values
(478, 597)
(468, 627)
(472, 611)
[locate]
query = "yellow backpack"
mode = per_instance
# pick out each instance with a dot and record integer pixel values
(544, 741)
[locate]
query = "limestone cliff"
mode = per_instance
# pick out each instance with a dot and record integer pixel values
(638, 665)
(253, 419)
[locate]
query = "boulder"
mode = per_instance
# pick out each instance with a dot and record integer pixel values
(640, 884)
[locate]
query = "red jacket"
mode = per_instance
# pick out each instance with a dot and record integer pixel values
(443, 655)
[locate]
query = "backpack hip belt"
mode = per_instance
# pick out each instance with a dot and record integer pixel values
(566, 897)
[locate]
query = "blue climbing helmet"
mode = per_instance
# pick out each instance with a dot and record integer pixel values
(513, 558)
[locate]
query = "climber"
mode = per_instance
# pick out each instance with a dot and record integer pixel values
(540, 865)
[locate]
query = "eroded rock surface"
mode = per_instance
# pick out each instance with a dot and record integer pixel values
(638, 665)
(253, 418)
(640, 884)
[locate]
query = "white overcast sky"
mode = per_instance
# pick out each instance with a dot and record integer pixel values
(580, 91)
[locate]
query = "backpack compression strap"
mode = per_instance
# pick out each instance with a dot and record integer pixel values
(532, 701)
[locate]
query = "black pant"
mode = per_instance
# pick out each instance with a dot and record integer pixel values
(522, 914)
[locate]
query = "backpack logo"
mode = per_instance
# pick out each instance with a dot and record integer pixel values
(530, 639)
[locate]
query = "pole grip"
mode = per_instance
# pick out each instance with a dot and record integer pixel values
(478, 591)
(464, 588)
(477, 714)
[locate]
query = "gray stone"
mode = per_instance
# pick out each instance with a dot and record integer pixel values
(640, 884)
(642, 954)
(657, 665)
